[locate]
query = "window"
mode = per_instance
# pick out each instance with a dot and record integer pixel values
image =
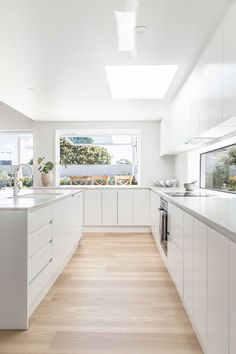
(218, 169)
(98, 158)
(15, 148)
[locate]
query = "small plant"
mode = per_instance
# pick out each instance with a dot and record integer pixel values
(44, 167)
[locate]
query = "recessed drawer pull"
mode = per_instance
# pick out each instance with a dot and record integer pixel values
(41, 270)
(51, 221)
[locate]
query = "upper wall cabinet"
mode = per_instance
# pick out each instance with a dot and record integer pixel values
(229, 65)
(198, 106)
(215, 84)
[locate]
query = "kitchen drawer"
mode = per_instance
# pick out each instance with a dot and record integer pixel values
(39, 262)
(40, 217)
(37, 289)
(38, 239)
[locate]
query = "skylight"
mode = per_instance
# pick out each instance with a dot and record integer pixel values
(126, 22)
(140, 81)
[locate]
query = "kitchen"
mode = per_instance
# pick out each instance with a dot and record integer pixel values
(117, 175)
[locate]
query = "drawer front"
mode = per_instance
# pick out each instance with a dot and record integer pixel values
(39, 218)
(39, 262)
(38, 239)
(37, 287)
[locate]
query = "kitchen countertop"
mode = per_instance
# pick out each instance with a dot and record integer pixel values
(31, 199)
(217, 211)
(68, 187)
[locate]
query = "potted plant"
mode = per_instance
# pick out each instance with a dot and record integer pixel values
(45, 169)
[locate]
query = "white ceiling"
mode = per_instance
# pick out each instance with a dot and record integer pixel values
(53, 53)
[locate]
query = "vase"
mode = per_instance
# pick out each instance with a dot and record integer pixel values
(47, 179)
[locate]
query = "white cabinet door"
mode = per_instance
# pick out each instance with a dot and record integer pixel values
(154, 211)
(229, 65)
(203, 89)
(125, 207)
(92, 207)
(175, 265)
(215, 93)
(175, 224)
(141, 207)
(109, 207)
(232, 306)
(218, 293)
(188, 262)
(200, 279)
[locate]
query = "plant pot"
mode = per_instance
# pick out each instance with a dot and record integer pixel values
(47, 179)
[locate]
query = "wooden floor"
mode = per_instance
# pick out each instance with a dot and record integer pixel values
(114, 297)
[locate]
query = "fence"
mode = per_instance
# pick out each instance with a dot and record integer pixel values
(95, 170)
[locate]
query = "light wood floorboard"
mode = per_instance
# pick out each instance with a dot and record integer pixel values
(114, 297)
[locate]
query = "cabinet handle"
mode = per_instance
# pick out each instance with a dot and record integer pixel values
(51, 221)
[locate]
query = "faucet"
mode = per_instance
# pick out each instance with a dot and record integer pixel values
(15, 187)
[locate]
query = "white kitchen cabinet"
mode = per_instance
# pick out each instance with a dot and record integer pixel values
(154, 212)
(215, 83)
(200, 280)
(92, 207)
(175, 224)
(66, 227)
(229, 65)
(141, 207)
(203, 89)
(188, 263)
(109, 207)
(125, 207)
(218, 293)
(175, 265)
(232, 299)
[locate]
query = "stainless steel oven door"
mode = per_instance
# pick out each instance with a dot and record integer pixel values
(163, 229)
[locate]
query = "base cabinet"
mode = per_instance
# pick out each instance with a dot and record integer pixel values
(117, 207)
(175, 265)
(92, 207)
(188, 263)
(154, 215)
(125, 207)
(232, 299)
(141, 200)
(218, 293)
(200, 280)
(109, 207)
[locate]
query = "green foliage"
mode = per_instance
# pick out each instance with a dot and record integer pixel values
(31, 161)
(4, 178)
(65, 181)
(44, 167)
(220, 178)
(27, 181)
(83, 155)
(123, 162)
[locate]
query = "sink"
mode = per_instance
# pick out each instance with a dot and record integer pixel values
(38, 196)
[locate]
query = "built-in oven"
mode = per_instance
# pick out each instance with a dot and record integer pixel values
(163, 232)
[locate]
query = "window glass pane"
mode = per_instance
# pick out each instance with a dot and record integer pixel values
(83, 157)
(15, 148)
(218, 169)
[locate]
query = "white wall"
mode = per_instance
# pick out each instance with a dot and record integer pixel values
(152, 165)
(10, 119)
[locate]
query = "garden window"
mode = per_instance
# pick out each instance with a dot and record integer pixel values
(218, 169)
(15, 148)
(98, 158)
